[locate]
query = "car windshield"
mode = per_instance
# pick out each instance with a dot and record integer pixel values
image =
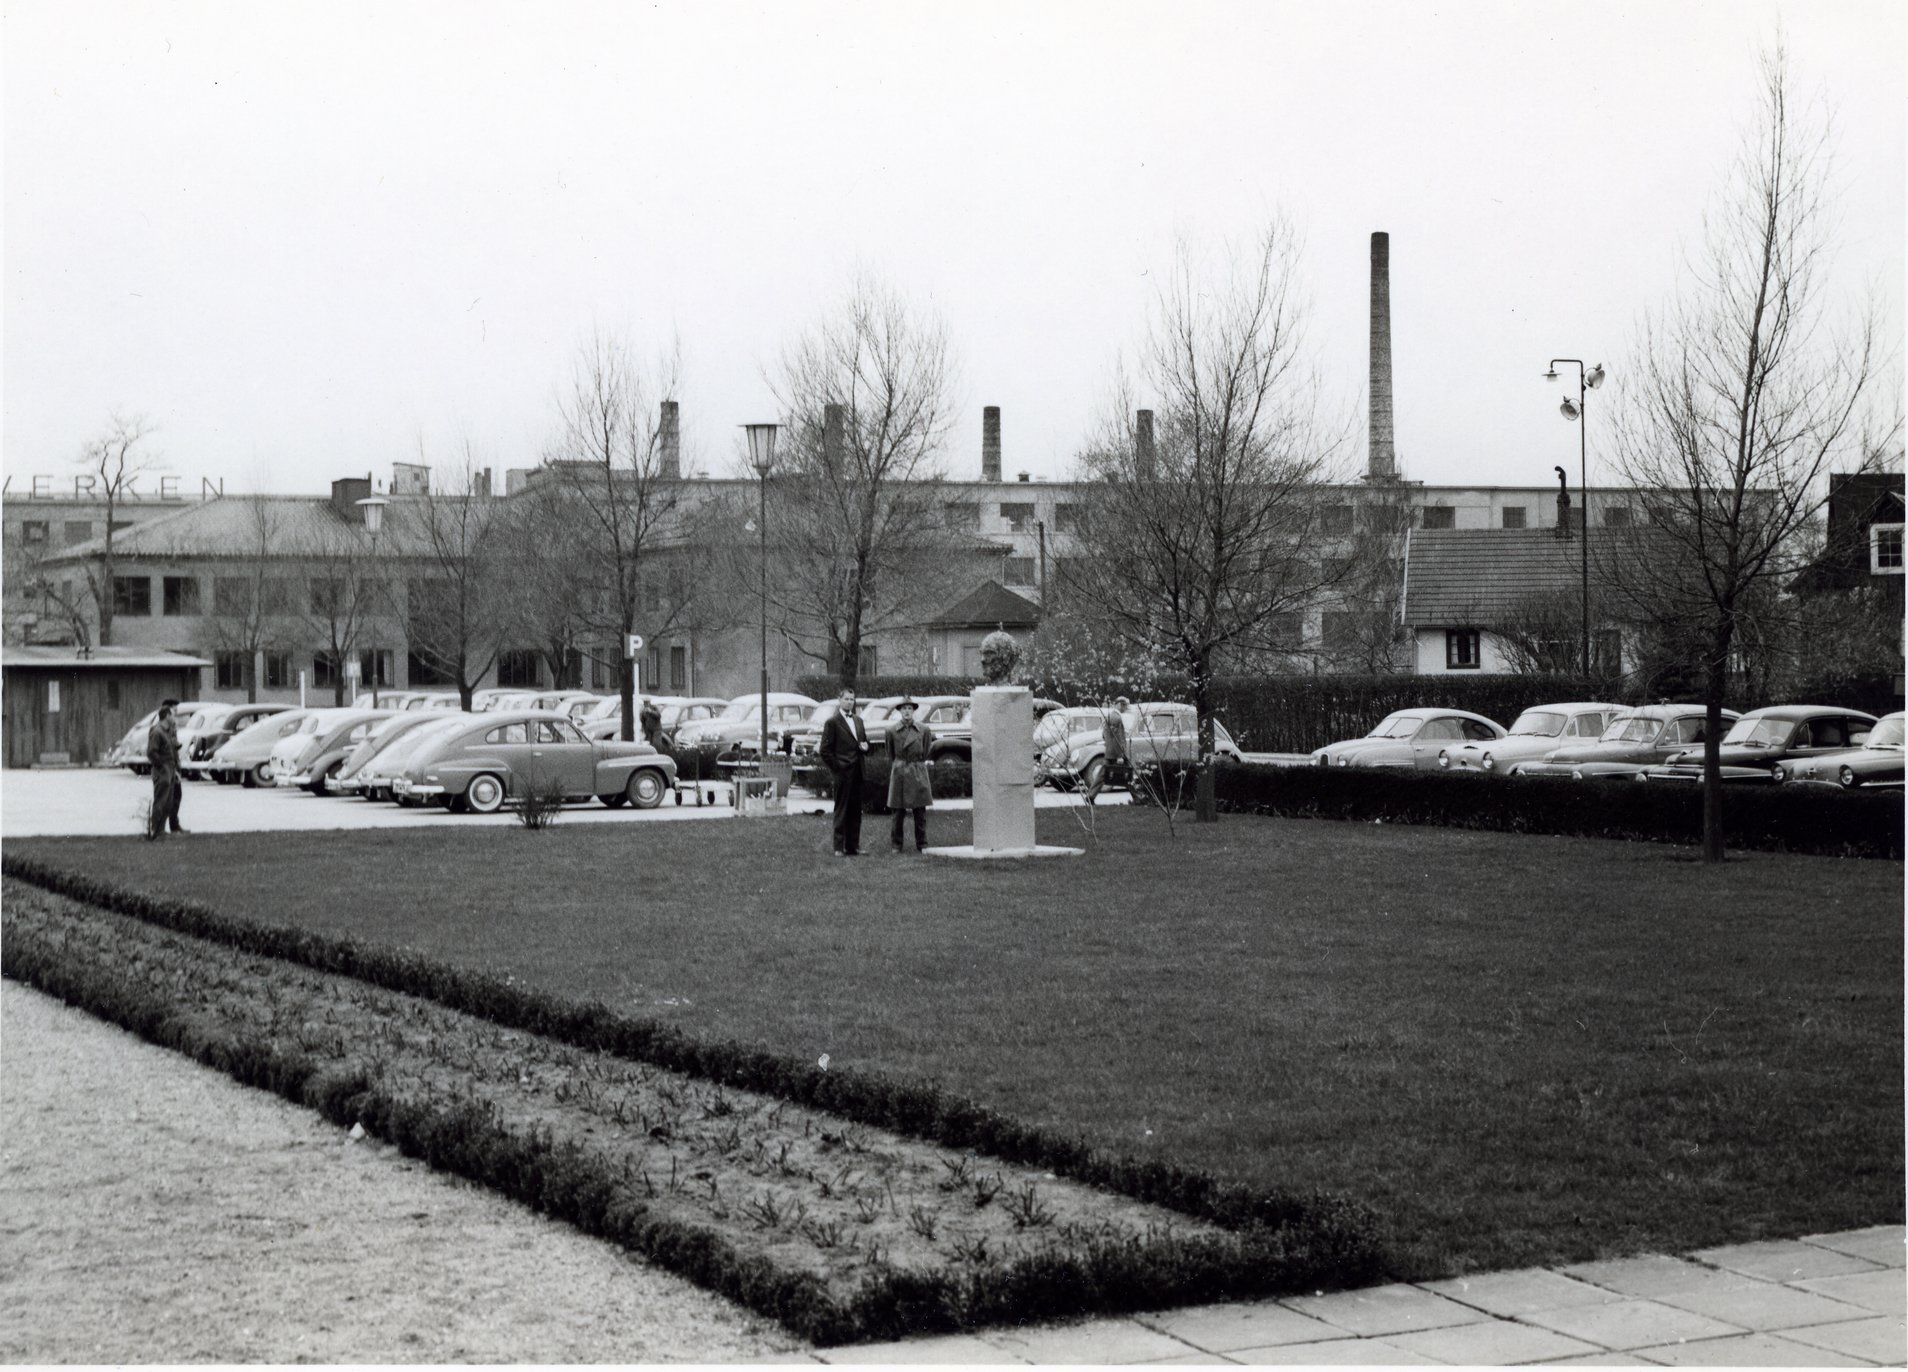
(1886, 734)
(1539, 724)
(1397, 726)
(1631, 729)
(870, 715)
(742, 709)
(1759, 733)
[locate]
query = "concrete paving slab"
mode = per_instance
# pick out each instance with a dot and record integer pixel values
(1190, 1360)
(1747, 1350)
(1882, 1340)
(1226, 1328)
(1392, 1309)
(1604, 1359)
(1495, 1343)
(1095, 1341)
(1782, 1260)
(1652, 1275)
(1886, 1244)
(1883, 1292)
(1516, 1293)
(967, 1349)
(1631, 1324)
(1336, 1353)
(1763, 1306)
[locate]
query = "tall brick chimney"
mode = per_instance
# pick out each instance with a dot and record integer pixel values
(1381, 462)
(669, 444)
(832, 416)
(990, 443)
(1143, 451)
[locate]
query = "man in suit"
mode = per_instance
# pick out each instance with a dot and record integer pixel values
(162, 755)
(844, 746)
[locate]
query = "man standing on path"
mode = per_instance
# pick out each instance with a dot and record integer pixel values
(1113, 736)
(162, 755)
(908, 789)
(844, 746)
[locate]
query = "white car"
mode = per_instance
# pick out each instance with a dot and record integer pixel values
(1534, 735)
(742, 718)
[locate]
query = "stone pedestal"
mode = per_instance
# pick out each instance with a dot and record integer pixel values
(1003, 769)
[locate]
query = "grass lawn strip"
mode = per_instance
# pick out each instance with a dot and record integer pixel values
(840, 1230)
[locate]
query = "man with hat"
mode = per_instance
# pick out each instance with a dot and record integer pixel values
(162, 755)
(908, 790)
(843, 746)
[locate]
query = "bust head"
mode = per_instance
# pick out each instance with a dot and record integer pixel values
(999, 653)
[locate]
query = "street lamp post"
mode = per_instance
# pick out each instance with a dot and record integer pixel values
(373, 507)
(1574, 411)
(762, 458)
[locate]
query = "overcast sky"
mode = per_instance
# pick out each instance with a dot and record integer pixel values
(305, 238)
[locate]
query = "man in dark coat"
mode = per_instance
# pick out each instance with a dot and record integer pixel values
(844, 746)
(651, 721)
(162, 755)
(908, 790)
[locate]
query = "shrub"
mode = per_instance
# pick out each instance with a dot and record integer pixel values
(542, 803)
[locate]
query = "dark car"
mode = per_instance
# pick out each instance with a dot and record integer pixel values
(1637, 739)
(1762, 738)
(198, 762)
(1876, 764)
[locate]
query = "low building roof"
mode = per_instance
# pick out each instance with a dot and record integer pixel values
(987, 605)
(1476, 577)
(70, 655)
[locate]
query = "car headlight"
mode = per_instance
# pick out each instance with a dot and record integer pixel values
(1780, 773)
(1488, 762)
(1444, 758)
(1847, 776)
(1344, 762)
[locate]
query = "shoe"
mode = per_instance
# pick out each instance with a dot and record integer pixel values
(898, 849)
(179, 831)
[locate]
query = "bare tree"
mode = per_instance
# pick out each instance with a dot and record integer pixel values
(114, 460)
(345, 592)
(241, 618)
(1197, 548)
(1743, 399)
(456, 558)
(607, 473)
(856, 513)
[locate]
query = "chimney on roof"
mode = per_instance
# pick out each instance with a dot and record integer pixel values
(346, 492)
(410, 478)
(670, 443)
(1381, 460)
(990, 443)
(481, 484)
(832, 416)
(1144, 454)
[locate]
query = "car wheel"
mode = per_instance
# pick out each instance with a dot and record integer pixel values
(616, 800)
(1848, 778)
(486, 794)
(1094, 774)
(646, 789)
(317, 784)
(260, 775)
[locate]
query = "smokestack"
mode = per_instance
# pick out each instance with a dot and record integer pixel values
(1381, 462)
(831, 435)
(1143, 445)
(990, 443)
(670, 443)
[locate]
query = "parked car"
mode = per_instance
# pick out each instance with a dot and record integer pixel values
(385, 698)
(1876, 764)
(675, 710)
(1759, 740)
(950, 725)
(1641, 737)
(741, 718)
(319, 744)
(196, 761)
(348, 778)
(1161, 732)
(1410, 738)
(377, 775)
(1533, 735)
(247, 755)
(130, 751)
(490, 762)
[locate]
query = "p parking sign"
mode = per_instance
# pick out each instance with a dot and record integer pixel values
(632, 645)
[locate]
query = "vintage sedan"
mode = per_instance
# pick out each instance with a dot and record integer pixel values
(247, 755)
(197, 761)
(1639, 738)
(493, 761)
(1875, 765)
(741, 719)
(1535, 733)
(1410, 738)
(377, 775)
(349, 778)
(1762, 738)
(1158, 732)
(130, 751)
(318, 746)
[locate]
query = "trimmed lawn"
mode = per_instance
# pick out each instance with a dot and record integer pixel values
(1519, 1049)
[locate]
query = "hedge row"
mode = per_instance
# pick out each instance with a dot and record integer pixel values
(1306, 1224)
(591, 1190)
(1775, 818)
(946, 780)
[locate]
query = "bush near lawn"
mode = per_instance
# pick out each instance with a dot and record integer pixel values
(1518, 1049)
(1775, 818)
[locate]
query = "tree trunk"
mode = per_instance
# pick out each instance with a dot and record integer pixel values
(1206, 804)
(1714, 687)
(626, 689)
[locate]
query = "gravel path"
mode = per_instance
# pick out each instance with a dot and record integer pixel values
(152, 1210)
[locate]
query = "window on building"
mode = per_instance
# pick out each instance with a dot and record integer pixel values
(1884, 549)
(275, 593)
(962, 514)
(1339, 630)
(1017, 571)
(1336, 520)
(228, 669)
(572, 671)
(278, 671)
(600, 672)
(76, 531)
(1287, 630)
(1440, 517)
(1019, 515)
(1515, 516)
(182, 595)
(132, 595)
(112, 694)
(1070, 519)
(517, 667)
(1336, 571)
(231, 595)
(678, 668)
(422, 670)
(866, 661)
(1617, 516)
(1461, 649)
(327, 595)
(324, 670)
(33, 532)
(1606, 651)
(119, 524)
(374, 667)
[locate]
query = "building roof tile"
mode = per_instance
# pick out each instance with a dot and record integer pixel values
(989, 604)
(1472, 577)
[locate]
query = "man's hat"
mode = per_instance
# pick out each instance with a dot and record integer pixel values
(907, 703)
(168, 704)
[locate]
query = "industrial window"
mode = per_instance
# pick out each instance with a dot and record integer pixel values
(324, 670)
(1069, 519)
(1336, 521)
(962, 514)
(374, 666)
(182, 595)
(33, 532)
(1018, 571)
(516, 667)
(1617, 516)
(1019, 515)
(423, 671)
(678, 668)
(132, 595)
(1884, 549)
(229, 670)
(1515, 516)
(572, 670)
(231, 595)
(599, 673)
(1461, 650)
(1440, 517)
(76, 531)
(278, 671)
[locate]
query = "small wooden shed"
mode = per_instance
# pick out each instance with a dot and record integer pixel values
(69, 705)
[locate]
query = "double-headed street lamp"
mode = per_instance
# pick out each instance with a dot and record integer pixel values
(373, 507)
(1574, 410)
(762, 458)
